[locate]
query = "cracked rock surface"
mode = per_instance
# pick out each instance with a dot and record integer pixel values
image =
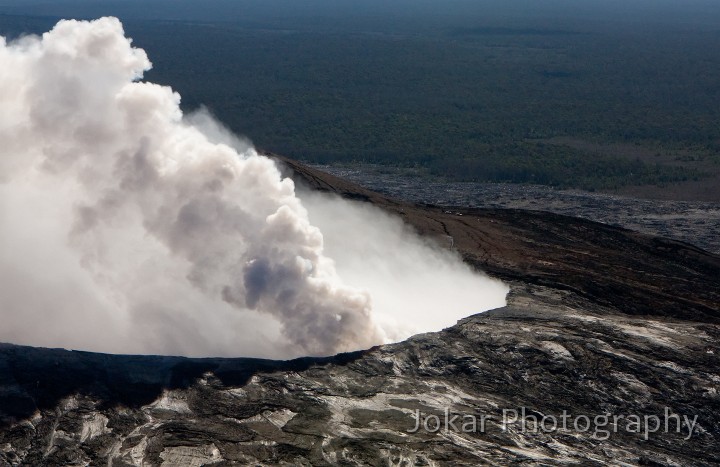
(600, 322)
(547, 351)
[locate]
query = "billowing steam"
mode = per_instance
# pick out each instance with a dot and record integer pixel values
(126, 227)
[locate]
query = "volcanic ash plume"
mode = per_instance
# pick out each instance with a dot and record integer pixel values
(128, 227)
(101, 168)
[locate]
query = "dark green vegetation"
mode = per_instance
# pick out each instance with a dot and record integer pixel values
(472, 95)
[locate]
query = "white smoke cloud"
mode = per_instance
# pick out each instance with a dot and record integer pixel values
(416, 285)
(127, 227)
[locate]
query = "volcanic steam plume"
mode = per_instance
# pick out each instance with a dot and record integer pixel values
(127, 227)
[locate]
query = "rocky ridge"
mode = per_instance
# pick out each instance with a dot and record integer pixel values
(600, 322)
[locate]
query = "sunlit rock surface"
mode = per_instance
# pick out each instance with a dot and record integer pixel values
(600, 320)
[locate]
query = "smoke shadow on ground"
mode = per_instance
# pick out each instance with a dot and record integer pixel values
(38, 378)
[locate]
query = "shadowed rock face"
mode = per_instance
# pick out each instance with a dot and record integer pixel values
(600, 320)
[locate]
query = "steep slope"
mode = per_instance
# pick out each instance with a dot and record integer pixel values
(600, 322)
(636, 273)
(548, 351)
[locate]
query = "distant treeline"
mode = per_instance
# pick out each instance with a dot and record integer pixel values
(467, 102)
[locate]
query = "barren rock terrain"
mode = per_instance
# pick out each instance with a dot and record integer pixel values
(601, 322)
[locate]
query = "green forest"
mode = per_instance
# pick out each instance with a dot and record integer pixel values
(469, 103)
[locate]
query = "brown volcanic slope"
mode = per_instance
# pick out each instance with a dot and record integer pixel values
(600, 320)
(632, 272)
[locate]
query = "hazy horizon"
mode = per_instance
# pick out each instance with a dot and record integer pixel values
(381, 13)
